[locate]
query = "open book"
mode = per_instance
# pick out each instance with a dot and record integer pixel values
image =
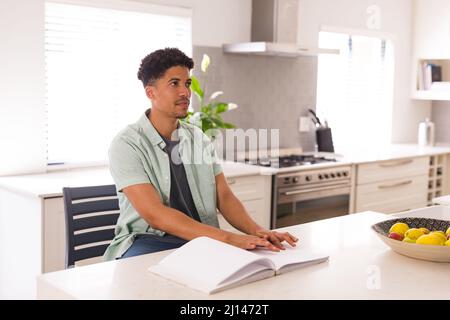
(210, 266)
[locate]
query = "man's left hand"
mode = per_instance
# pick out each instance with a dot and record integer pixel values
(276, 238)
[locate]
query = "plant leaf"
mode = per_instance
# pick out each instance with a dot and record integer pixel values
(195, 86)
(228, 125)
(221, 107)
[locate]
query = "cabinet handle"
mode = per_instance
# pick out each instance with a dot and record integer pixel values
(388, 186)
(231, 181)
(395, 164)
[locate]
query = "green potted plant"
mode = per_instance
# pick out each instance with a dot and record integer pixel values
(209, 117)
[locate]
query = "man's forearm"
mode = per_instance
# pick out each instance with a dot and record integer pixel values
(236, 214)
(178, 224)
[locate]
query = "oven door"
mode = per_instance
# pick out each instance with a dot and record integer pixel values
(296, 206)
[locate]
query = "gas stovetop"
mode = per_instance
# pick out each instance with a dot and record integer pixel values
(289, 161)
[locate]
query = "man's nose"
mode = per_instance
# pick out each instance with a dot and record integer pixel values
(185, 92)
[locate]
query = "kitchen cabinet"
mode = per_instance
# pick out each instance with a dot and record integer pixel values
(255, 194)
(392, 186)
(431, 45)
(437, 181)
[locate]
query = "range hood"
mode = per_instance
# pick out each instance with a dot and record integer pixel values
(274, 31)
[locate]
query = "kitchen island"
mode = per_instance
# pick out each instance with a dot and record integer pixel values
(360, 266)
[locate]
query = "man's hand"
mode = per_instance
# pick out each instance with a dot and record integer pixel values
(249, 242)
(276, 238)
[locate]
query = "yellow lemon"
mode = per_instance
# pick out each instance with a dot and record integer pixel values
(447, 243)
(399, 228)
(439, 234)
(448, 231)
(430, 239)
(413, 233)
(409, 240)
(425, 230)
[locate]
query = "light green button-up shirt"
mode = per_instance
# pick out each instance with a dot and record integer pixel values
(136, 156)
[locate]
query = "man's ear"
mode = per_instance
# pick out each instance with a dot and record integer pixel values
(150, 91)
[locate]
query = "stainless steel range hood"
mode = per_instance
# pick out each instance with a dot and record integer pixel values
(274, 31)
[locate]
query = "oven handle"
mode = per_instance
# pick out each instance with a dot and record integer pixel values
(290, 193)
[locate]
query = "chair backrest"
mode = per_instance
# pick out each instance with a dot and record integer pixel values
(91, 215)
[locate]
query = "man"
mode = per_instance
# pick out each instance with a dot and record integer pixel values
(165, 202)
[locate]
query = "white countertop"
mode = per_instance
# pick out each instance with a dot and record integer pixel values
(50, 184)
(361, 266)
(47, 185)
(389, 152)
(445, 200)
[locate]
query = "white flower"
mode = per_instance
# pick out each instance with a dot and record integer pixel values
(232, 106)
(215, 95)
(195, 119)
(205, 62)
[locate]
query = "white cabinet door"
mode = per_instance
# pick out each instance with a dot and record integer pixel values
(392, 169)
(393, 195)
(54, 234)
(392, 186)
(255, 208)
(255, 194)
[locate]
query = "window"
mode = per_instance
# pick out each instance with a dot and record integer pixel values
(355, 89)
(92, 58)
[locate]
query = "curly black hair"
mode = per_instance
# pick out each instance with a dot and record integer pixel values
(154, 65)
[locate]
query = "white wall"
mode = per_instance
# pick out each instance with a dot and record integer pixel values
(216, 22)
(396, 19)
(22, 78)
(22, 87)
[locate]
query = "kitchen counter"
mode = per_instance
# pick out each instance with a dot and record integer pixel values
(353, 155)
(390, 152)
(48, 185)
(360, 266)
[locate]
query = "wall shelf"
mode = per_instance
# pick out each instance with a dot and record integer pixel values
(437, 90)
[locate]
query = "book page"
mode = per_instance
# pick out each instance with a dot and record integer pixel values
(205, 263)
(292, 257)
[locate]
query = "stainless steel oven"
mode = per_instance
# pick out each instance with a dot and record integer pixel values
(310, 195)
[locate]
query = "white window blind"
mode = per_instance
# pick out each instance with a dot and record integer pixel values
(92, 58)
(355, 89)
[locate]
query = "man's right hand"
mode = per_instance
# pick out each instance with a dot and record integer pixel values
(250, 242)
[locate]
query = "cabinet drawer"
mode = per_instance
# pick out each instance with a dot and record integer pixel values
(393, 195)
(255, 209)
(392, 169)
(247, 188)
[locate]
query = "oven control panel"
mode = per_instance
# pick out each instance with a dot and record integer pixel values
(314, 176)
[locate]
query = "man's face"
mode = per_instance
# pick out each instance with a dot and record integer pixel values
(171, 93)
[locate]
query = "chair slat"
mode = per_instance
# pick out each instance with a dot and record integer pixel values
(90, 252)
(94, 206)
(95, 221)
(94, 236)
(94, 191)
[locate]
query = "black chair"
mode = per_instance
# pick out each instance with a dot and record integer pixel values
(91, 215)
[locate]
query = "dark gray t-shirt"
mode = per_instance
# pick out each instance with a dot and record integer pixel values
(180, 193)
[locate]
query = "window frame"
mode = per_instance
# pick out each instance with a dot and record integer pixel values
(121, 5)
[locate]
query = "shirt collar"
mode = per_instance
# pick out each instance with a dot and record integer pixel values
(150, 131)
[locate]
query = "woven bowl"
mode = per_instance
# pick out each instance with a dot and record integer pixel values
(417, 251)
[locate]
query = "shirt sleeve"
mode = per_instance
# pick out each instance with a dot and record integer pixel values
(125, 165)
(217, 166)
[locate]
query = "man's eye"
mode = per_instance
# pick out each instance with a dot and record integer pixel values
(175, 83)
(188, 84)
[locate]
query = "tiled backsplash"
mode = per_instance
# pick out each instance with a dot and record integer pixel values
(440, 115)
(271, 92)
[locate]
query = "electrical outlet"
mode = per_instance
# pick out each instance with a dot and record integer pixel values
(304, 124)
